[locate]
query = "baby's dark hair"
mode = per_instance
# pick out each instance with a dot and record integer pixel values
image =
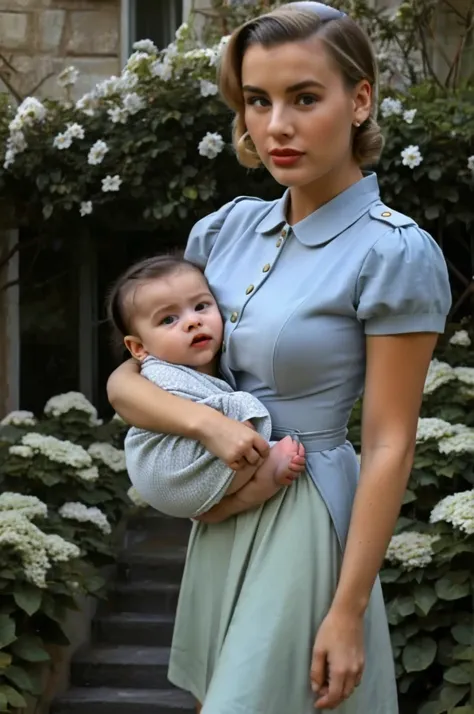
(160, 266)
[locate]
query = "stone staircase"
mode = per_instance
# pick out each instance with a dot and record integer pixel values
(123, 670)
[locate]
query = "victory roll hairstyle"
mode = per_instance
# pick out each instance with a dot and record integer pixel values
(347, 44)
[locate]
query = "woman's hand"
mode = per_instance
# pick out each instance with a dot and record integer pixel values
(338, 659)
(233, 442)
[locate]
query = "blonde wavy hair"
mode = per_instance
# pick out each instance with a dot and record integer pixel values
(347, 44)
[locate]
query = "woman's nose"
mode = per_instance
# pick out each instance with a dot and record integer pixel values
(280, 124)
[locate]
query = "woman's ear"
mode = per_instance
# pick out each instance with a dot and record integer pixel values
(362, 101)
(135, 347)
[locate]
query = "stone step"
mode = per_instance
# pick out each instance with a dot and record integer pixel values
(144, 596)
(121, 666)
(146, 522)
(152, 561)
(134, 629)
(102, 700)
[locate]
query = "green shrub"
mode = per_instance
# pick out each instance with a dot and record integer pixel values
(428, 579)
(61, 498)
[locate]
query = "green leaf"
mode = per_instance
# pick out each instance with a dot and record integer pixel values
(14, 698)
(19, 678)
(459, 674)
(5, 660)
(446, 589)
(463, 634)
(425, 598)
(47, 211)
(3, 703)
(435, 174)
(419, 654)
(30, 648)
(406, 605)
(28, 598)
(432, 212)
(7, 631)
(190, 192)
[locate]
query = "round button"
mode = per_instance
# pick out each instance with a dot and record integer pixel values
(386, 214)
(283, 233)
(279, 242)
(266, 268)
(234, 316)
(249, 289)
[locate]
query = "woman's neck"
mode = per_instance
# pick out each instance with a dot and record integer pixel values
(304, 200)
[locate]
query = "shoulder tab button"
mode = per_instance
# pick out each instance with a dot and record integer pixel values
(386, 214)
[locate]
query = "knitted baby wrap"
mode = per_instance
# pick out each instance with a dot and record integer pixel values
(177, 475)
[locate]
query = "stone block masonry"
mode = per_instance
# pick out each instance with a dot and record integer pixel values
(39, 38)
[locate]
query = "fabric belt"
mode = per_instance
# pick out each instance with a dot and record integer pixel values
(313, 440)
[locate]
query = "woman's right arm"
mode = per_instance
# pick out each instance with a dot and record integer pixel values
(141, 403)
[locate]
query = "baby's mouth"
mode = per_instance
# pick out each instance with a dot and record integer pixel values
(201, 339)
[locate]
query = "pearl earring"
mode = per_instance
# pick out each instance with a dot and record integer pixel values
(357, 124)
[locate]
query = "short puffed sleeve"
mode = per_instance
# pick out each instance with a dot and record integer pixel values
(403, 284)
(204, 235)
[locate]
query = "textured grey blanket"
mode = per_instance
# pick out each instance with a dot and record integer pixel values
(176, 475)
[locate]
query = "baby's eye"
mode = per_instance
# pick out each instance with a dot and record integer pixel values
(201, 306)
(168, 320)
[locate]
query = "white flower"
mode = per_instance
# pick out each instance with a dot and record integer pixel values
(9, 158)
(68, 77)
(62, 141)
(60, 550)
(211, 145)
(127, 81)
(201, 53)
(182, 31)
(391, 107)
(108, 455)
(17, 141)
(24, 452)
(19, 418)
(133, 103)
(162, 70)
(135, 498)
(137, 60)
(145, 46)
(117, 418)
(35, 549)
(57, 450)
(118, 115)
(461, 442)
(111, 183)
(28, 506)
(470, 163)
(439, 373)
(31, 110)
(208, 89)
(460, 338)
(88, 104)
(465, 375)
(107, 87)
(457, 509)
(64, 403)
(411, 156)
(432, 428)
(79, 512)
(85, 208)
(75, 131)
(91, 474)
(411, 550)
(409, 115)
(97, 153)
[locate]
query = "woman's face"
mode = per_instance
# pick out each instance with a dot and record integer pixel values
(296, 103)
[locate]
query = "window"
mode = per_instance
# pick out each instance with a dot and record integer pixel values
(156, 20)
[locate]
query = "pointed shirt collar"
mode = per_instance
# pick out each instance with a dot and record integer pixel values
(329, 220)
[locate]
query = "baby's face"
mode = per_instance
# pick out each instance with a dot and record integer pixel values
(176, 319)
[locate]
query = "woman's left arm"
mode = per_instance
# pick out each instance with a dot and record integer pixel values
(395, 377)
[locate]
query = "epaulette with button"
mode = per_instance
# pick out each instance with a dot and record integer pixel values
(380, 212)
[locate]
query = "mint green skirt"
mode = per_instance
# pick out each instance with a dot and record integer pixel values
(254, 591)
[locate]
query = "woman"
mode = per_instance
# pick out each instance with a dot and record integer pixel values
(324, 293)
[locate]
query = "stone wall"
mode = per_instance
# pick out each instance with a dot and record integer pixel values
(38, 38)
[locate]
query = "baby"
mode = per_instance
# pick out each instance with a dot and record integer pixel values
(169, 321)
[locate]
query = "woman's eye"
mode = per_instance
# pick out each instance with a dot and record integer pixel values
(168, 320)
(258, 102)
(306, 99)
(201, 306)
